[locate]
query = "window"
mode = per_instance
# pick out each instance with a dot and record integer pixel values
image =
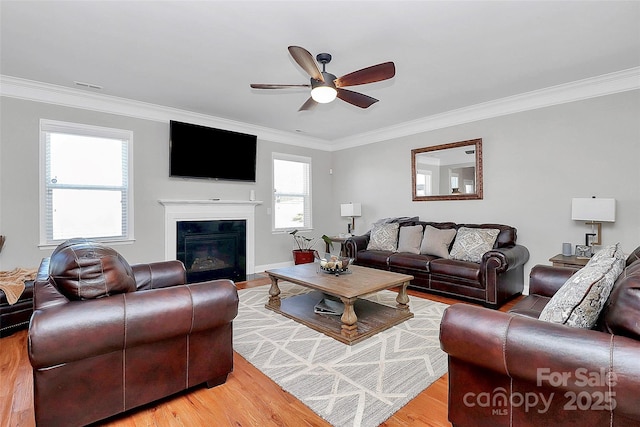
(468, 186)
(423, 183)
(85, 184)
(291, 192)
(454, 183)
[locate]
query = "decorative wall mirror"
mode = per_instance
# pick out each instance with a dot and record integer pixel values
(448, 171)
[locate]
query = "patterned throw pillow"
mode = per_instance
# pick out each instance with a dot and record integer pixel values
(579, 301)
(472, 243)
(409, 239)
(611, 251)
(384, 237)
(436, 241)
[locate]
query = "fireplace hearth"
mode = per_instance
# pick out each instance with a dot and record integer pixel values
(212, 249)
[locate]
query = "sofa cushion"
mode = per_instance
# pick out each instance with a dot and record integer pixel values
(466, 270)
(375, 259)
(83, 269)
(472, 243)
(437, 241)
(409, 261)
(579, 301)
(384, 237)
(409, 238)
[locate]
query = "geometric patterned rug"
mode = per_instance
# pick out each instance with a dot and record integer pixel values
(359, 385)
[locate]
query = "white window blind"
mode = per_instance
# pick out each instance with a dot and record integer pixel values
(85, 182)
(291, 192)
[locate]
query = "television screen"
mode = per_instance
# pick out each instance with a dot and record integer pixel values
(202, 152)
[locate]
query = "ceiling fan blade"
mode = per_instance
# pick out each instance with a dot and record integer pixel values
(372, 74)
(306, 61)
(356, 98)
(310, 104)
(275, 86)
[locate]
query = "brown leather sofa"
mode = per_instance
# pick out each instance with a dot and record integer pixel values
(106, 337)
(511, 369)
(498, 278)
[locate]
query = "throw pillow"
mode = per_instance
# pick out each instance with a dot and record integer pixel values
(610, 251)
(580, 300)
(384, 237)
(472, 243)
(83, 269)
(409, 239)
(397, 219)
(436, 241)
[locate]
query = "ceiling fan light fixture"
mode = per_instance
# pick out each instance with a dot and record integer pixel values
(325, 87)
(323, 94)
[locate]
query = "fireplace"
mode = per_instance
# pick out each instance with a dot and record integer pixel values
(225, 235)
(214, 249)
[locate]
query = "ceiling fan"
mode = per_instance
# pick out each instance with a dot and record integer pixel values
(325, 87)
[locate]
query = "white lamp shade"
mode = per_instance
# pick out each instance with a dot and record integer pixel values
(592, 209)
(351, 209)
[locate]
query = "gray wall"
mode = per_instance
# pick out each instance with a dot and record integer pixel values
(534, 163)
(19, 187)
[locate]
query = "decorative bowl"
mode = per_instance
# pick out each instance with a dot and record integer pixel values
(335, 264)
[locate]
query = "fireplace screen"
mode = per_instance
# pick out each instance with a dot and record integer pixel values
(213, 249)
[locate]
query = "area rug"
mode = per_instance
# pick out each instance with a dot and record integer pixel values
(356, 386)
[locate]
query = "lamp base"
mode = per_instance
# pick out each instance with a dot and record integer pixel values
(597, 239)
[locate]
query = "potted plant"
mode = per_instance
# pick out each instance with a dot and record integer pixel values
(304, 252)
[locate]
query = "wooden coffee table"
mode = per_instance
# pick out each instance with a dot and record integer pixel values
(361, 318)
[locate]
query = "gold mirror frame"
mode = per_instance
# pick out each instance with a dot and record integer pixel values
(434, 155)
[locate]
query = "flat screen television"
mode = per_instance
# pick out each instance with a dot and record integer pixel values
(197, 151)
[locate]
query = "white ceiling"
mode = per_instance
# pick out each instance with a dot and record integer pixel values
(201, 56)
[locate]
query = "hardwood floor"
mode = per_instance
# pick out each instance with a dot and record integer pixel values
(248, 398)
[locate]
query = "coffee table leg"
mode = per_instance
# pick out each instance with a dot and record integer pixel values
(403, 299)
(274, 292)
(349, 318)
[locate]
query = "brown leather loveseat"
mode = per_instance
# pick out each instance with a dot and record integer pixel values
(496, 278)
(511, 369)
(106, 337)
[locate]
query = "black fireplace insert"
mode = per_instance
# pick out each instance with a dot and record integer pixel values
(213, 249)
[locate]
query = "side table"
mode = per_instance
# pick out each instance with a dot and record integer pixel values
(568, 261)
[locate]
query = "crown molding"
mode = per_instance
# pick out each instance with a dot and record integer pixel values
(31, 90)
(607, 84)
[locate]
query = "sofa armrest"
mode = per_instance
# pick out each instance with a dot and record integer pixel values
(503, 259)
(545, 280)
(82, 329)
(356, 243)
(531, 351)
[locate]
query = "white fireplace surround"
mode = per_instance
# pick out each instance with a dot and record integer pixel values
(208, 210)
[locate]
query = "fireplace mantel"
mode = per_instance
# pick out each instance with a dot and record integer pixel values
(203, 210)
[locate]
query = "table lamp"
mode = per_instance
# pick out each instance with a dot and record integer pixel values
(593, 211)
(351, 210)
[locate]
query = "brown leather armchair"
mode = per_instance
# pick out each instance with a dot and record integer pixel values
(106, 337)
(511, 369)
